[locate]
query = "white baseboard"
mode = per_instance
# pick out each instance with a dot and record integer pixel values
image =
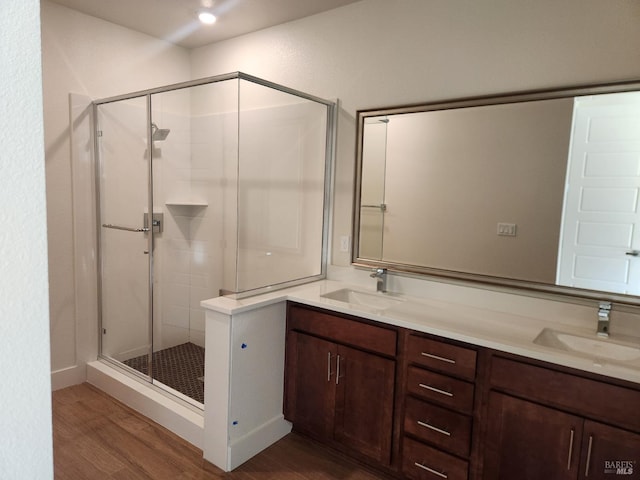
(171, 414)
(255, 441)
(67, 377)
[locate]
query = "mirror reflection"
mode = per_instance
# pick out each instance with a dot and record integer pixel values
(534, 191)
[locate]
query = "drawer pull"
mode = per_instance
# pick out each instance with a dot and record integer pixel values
(436, 429)
(586, 468)
(431, 470)
(570, 450)
(437, 390)
(436, 357)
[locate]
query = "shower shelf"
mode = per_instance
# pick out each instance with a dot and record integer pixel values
(187, 204)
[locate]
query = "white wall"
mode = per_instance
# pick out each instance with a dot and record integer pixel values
(85, 55)
(379, 53)
(25, 398)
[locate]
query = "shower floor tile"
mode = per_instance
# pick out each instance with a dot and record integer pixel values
(180, 367)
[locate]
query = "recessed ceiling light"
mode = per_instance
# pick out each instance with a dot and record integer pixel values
(207, 18)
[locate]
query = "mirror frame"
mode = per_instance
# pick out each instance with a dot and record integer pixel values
(473, 279)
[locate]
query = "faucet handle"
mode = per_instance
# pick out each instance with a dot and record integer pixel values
(378, 272)
(604, 309)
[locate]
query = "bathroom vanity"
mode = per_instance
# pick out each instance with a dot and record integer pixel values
(424, 389)
(558, 423)
(461, 411)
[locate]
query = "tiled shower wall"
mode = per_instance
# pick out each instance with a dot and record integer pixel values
(190, 195)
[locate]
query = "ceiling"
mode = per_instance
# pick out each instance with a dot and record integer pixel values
(176, 20)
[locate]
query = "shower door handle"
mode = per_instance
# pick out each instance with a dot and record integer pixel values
(127, 229)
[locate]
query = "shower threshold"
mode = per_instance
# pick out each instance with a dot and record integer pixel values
(153, 401)
(180, 368)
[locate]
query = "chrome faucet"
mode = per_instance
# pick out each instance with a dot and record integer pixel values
(381, 275)
(604, 310)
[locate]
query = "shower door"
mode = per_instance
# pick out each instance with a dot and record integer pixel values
(123, 170)
(237, 213)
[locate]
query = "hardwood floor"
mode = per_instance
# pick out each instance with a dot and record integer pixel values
(97, 437)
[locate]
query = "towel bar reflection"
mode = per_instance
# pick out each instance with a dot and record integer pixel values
(127, 229)
(382, 207)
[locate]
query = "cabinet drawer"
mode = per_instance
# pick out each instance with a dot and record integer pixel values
(443, 390)
(442, 357)
(438, 426)
(599, 400)
(420, 462)
(343, 330)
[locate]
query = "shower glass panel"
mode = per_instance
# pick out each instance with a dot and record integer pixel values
(281, 178)
(234, 171)
(123, 199)
(189, 184)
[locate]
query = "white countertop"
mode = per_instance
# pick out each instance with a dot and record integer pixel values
(502, 331)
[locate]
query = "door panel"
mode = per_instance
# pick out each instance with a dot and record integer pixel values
(527, 441)
(609, 452)
(601, 216)
(122, 200)
(364, 403)
(314, 385)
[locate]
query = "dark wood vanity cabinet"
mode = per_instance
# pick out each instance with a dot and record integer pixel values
(542, 423)
(340, 381)
(438, 409)
(426, 408)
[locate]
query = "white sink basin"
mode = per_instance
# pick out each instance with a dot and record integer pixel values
(592, 346)
(377, 301)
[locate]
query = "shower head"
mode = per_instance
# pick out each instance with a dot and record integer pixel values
(158, 134)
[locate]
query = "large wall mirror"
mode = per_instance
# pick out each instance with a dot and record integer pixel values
(538, 190)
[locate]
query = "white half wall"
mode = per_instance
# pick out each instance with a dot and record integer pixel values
(244, 384)
(25, 392)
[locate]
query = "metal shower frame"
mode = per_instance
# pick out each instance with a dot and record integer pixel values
(330, 148)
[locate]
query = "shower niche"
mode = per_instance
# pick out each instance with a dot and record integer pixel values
(235, 171)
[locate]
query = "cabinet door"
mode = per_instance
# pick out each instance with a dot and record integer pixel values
(609, 452)
(364, 403)
(313, 396)
(527, 441)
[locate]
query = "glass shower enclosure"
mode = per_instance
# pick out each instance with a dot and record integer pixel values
(213, 186)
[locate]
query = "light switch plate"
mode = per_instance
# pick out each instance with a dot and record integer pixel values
(344, 243)
(507, 229)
